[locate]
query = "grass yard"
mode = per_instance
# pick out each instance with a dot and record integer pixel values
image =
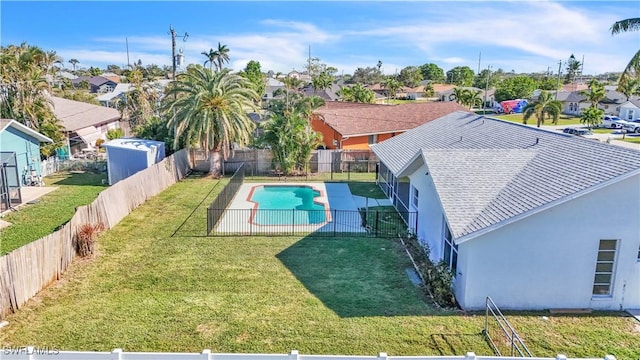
(631, 139)
(34, 221)
(366, 189)
(149, 291)
(562, 120)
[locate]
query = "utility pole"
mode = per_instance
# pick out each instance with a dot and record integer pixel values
(172, 31)
(128, 63)
(486, 88)
(558, 79)
(479, 58)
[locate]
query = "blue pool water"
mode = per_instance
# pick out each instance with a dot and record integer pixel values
(287, 205)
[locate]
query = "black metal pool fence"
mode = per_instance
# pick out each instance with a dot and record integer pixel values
(331, 222)
(292, 222)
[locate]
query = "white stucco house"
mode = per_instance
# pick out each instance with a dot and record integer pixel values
(533, 218)
(630, 110)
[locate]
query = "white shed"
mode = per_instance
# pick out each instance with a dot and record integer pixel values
(127, 156)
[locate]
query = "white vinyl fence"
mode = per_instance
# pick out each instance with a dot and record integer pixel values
(32, 353)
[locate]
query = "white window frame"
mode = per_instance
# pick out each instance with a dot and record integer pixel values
(372, 139)
(415, 196)
(630, 114)
(601, 272)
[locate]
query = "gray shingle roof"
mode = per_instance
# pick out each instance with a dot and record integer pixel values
(487, 170)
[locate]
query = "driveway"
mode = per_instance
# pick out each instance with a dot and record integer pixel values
(610, 138)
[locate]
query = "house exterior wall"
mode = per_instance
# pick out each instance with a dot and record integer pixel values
(628, 111)
(548, 260)
(328, 133)
(26, 147)
(430, 214)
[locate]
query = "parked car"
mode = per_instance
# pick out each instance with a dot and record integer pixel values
(585, 133)
(612, 122)
(633, 126)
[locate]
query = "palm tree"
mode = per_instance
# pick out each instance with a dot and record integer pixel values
(632, 71)
(595, 93)
(222, 55)
(74, 62)
(357, 93)
(212, 109)
(573, 69)
(543, 108)
(392, 85)
(211, 58)
(458, 95)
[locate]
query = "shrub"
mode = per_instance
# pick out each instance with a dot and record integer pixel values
(86, 238)
(438, 277)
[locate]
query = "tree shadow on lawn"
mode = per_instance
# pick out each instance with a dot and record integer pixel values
(77, 178)
(356, 277)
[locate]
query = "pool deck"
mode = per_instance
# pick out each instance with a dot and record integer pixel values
(336, 195)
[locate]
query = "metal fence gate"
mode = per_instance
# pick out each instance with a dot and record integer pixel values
(500, 334)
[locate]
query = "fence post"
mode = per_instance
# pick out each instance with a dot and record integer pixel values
(349, 171)
(205, 354)
(383, 356)
(293, 355)
(470, 356)
(116, 354)
(293, 221)
(377, 219)
(334, 222)
(561, 357)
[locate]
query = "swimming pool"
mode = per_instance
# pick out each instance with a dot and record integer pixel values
(286, 205)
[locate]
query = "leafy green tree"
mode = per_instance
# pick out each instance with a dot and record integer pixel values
(212, 109)
(116, 133)
(322, 81)
(156, 129)
(467, 97)
(410, 76)
(547, 83)
(94, 71)
(289, 134)
(139, 105)
(357, 93)
(632, 70)
(460, 76)
(114, 69)
(253, 72)
(24, 94)
(517, 87)
(429, 91)
(591, 116)
(630, 87)
(485, 80)
(368, 75)
(545, 107)
(315, 67)
(432, 72)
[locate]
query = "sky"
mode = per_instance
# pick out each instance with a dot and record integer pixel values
(523, 36)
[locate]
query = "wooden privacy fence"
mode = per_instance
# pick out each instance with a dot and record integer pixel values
(30, 268)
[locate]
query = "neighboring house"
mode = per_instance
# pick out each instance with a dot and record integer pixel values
(630, 110)
(127, 156)
(271, 85)
(24, 143)
(442, 91)
(521, 214)
(110, 99)
(575, 102)
(303, 76)
(97, 84)
(329, 94)
(346, 125)
(19, 161)
(84, 123)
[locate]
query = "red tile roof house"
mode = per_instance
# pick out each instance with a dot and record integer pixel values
(355, 126)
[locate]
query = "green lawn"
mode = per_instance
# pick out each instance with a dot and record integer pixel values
(149, 291)
(366, 189)
(563, 119)
(34, 221)
(631, 139)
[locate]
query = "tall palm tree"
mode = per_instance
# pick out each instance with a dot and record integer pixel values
(573, 69)
(546, 106)
(74, 62)
(632, 71)
(211, 58)
(222, 55)
(212, 109)
(595, 93)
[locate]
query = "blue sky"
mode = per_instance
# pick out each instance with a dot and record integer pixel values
(512, 35)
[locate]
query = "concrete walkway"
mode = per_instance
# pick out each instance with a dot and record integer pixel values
(635, 313)
(29, 194)
(362, 202)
